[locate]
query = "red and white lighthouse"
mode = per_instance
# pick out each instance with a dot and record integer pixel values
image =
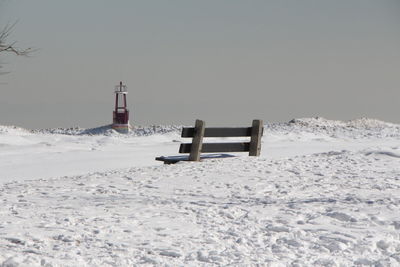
(121, 113)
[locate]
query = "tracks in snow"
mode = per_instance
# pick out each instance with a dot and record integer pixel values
(322, 209)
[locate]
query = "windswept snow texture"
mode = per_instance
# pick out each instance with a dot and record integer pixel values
(323, 193)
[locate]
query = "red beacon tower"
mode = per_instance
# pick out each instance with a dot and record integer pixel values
(120, 113)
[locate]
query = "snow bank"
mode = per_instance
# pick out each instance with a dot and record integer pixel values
(13, 130)
(318, 126)
(363, 123)
(360, 128)
(108, 131)
(354, 129)
(35, 154)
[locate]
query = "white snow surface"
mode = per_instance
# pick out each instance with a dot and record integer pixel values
(323, 193)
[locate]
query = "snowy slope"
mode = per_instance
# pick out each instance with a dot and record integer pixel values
(59, 152)
(49, 153)
(323, 193)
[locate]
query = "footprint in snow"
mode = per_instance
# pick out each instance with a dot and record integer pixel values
(170, 253)
(341, 216)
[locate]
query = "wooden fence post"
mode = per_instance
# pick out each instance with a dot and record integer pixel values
(197, 141)
(255, 141)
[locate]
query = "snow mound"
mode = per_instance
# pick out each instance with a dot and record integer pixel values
(155, 129)
(102, 130)
(370, 123)
(65, 131)
(106, 130)
(363, 123)
(316, 122)
(354, 129)
(383, 153)
(13, 130)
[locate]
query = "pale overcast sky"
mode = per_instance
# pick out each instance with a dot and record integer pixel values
(225, 61)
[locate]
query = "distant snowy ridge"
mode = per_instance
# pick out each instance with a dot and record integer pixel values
(364, 123)
(359, 128)
(13, 130)
(108, 131)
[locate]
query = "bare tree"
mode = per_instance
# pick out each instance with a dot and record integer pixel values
(5, 46)
(10, 47)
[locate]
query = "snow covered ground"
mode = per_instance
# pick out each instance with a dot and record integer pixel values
(323, 193)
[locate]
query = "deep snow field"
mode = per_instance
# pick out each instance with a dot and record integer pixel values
(323, 193)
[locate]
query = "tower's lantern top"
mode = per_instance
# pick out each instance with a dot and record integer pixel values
(121, 89)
